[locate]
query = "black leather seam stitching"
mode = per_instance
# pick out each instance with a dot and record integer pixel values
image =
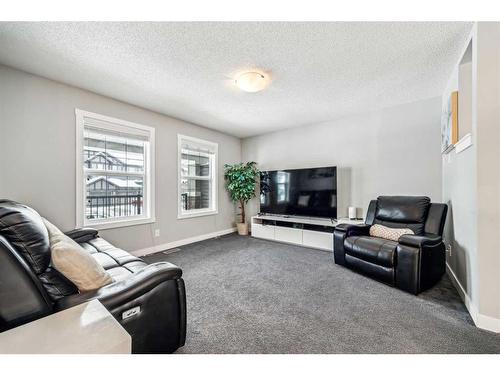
(21, 242)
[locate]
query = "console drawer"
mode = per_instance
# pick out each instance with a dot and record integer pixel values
(290, 235)
(263, 231)
(319, 240)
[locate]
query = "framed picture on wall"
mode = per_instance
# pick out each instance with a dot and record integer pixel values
(449, 123)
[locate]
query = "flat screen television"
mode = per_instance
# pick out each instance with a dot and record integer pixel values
(308, 192)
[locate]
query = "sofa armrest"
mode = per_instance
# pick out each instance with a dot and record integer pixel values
(353, 229)
(120, 292)
(82, 234)
(420, 241)
(341, 232)
(421, 261)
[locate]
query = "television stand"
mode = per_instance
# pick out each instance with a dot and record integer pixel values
(306, 231)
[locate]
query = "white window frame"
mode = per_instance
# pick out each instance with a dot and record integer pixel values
(122, 126)
(214, 210)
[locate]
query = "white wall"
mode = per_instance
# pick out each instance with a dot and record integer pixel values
(37, 152)
(459, 192)
(471, 186)
(488, 171)
(387, 152)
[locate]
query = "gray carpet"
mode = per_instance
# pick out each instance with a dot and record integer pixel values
(246, 295)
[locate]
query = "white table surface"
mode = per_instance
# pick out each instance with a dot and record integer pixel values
(84, 329)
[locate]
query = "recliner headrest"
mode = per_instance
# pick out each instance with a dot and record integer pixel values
(402, 209)
(23, 227)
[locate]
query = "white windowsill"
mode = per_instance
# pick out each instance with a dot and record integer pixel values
(197, 214)
(119, 223)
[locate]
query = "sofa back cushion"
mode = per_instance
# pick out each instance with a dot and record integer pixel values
(403, 212)
(23, 228)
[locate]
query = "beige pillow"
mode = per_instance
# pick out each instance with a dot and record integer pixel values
(74, 262)
(393, 234)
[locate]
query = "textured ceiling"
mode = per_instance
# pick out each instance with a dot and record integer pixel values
(320, 71)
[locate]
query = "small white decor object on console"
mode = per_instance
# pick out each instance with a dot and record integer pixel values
(352, 213)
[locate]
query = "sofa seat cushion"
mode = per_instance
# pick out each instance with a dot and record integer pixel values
(118, 263)
(372, 249)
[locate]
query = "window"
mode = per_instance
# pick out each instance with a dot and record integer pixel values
(115, 172)
(197, 177)
(283, 186)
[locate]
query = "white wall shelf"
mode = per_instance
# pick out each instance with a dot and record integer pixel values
(464, 143)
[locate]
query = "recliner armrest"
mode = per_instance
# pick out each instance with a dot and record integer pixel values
(353, 229)
(82, 234)
(421, 261)
(420, 241)
(121, 292)
(341, 232)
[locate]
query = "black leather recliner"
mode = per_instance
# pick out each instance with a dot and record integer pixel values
(30, 288)
(414, 263)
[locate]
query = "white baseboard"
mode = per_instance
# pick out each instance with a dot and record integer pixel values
(463, 294)
(480, 320)
(185, 241)
(488, 323)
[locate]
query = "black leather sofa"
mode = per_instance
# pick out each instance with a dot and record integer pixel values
(31, 288)
(414, 263)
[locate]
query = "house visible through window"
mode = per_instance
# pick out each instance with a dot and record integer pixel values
(115, 184)
(197, 182)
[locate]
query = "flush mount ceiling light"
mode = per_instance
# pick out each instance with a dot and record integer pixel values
(251, 81)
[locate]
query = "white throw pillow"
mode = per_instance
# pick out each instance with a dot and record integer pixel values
(393, 234)
(74, 262)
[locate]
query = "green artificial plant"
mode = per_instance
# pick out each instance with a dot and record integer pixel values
(241, 180)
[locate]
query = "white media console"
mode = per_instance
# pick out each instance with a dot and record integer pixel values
(305, 231)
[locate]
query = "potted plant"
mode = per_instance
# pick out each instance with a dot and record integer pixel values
(240, 183)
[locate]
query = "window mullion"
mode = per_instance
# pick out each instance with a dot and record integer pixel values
(113, 172)
(202, 178)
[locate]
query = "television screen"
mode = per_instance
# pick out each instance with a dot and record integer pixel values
(302, 192)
